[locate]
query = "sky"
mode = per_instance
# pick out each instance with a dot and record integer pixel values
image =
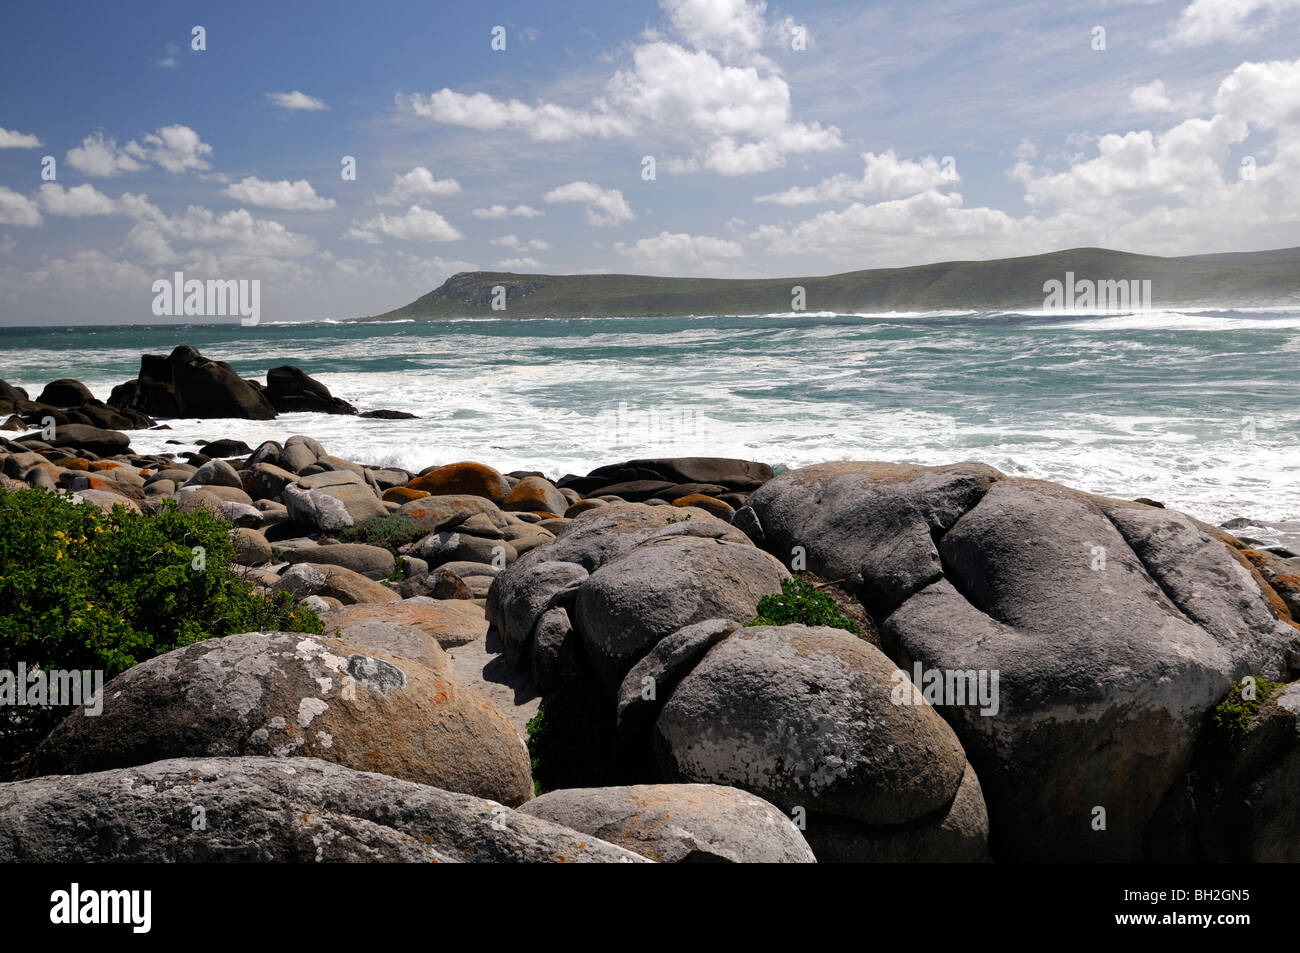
(727, 138)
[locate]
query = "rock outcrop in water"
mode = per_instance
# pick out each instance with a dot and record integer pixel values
(1036, 675)
(181, 384)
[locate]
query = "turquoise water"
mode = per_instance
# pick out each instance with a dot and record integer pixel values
(1198, 409)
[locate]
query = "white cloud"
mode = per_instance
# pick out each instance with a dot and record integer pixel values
(418, 224)
(883, 176)
(17, 209)
(512, 241)
(1152, 97)
(232, 237)
(417, 184)
(11, 139)
(76, 202)
(1172, 191)
(734, 118)
(169, 61)
(603, 206)
(296, 100)
(500, 211)
(668, 253)
(173, 148)
(290, 196)
(731, 27)
(93, 270)
(510, 264)
(899, 231)
(1229, 21)
(545, 122)
(99, 157)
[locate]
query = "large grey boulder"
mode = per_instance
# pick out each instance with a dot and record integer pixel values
(1109, 654)
(105, 443)
(1112, 627)
(807, 718)
(869, 524)
(651, 681)
(280, 694)
(332, 508)
(661, 585)
(600, 535)
(299, 452)
(443, 547)
(215, 473)
(520, 594)
(282, 810)
(957, 833)
(679, 823)
(1246, 785)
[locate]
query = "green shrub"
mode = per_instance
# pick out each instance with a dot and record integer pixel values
(389, 531)
(802, 603)
(1232, 715)
(81, 589)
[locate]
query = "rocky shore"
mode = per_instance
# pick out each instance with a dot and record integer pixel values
(1091, 641)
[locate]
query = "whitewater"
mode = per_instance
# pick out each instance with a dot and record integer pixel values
(1197, 409)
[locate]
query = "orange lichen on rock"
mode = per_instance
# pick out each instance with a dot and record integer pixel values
(468, 478)
(710, 505)
(403, 494)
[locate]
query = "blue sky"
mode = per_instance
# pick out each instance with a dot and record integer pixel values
(899, 134)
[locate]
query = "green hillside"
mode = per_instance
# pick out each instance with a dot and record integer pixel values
(1238, 279)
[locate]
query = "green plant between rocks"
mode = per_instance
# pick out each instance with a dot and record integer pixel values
(1231, 717)
(801, 603)
(390, 532)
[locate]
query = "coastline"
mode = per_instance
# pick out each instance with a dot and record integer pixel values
(541, 605)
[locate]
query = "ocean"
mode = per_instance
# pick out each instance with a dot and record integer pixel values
(1197, 409)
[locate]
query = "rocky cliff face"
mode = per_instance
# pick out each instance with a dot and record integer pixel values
(475, 288)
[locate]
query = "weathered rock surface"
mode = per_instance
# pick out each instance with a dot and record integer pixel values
(958, 833)
(472, 479)
(803, 717)
(1113, 628)
(449, 622)
(284, 810)
(679, 823)
(282, 694)
(656, 588)
(373, 562)
(290, 389)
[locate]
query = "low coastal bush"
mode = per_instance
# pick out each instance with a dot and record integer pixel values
(802, 603)
(390, 532)
(82, 589)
